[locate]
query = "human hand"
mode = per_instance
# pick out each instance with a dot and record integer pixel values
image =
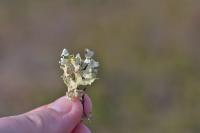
(61, 116)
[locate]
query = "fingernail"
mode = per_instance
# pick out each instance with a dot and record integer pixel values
(62, 105)
(87, 106)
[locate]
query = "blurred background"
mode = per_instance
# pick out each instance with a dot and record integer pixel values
(148, 49)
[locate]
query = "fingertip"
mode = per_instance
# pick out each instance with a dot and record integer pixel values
(77, 109)
(61, 105)
(72, 118)
(81, 128)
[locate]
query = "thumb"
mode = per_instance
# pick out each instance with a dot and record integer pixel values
(68, 112)
(61, 116)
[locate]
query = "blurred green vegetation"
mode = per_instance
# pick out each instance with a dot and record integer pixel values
(149, 53)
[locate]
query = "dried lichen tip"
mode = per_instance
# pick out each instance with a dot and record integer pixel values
(65, 52)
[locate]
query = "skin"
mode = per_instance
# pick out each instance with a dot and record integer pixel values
(61, 116)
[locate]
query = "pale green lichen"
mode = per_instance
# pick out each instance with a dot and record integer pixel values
(78, 72)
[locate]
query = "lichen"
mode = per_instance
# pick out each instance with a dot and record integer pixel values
(78, 73)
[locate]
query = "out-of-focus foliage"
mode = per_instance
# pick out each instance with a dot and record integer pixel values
(149, 52)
